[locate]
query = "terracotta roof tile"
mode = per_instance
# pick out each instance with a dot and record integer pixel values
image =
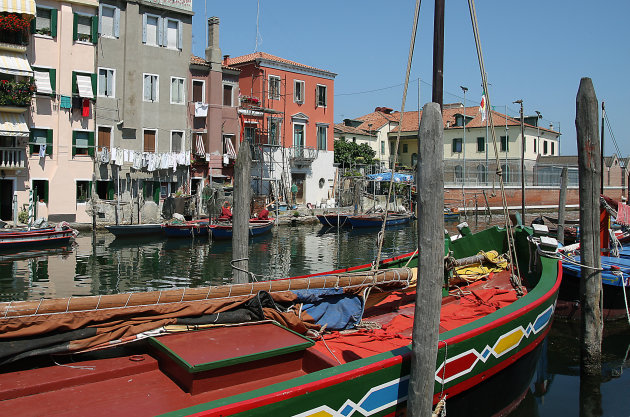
(341, 128)
(263, 55)
(197, 60)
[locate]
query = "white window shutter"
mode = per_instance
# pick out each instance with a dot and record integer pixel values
(154, 88)
(144, 28)
(110, 83)
(161, 31)
(117, 22)
(180, 29)
(147, 87)
(100, 18)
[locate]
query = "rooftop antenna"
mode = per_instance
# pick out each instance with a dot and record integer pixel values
(258, 27)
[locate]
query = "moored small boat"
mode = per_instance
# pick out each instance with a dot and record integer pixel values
(376, 220)
(131, 230)
(333, 219)
(50, 236)
(223, 231)
(195, 228)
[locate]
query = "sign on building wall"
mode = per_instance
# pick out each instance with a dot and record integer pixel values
(176, 4)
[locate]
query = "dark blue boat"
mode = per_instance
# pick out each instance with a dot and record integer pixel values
(376, 220)
(256, 227)
(188, 229)
(333, 219)
(133, 230)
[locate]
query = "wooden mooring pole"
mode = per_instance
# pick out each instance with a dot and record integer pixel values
(562, 200)
(589, 165)
(240, 214)
(430, 177)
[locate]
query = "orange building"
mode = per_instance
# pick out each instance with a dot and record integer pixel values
(286, 112)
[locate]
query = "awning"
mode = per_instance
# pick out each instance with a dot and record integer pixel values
(18, 6)
(15, 63)
(42, 82)
(13, 124)
(84, 84)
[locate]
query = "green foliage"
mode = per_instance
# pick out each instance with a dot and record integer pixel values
(16, 93)
(296, 214)
(349, 153)
(23, 216)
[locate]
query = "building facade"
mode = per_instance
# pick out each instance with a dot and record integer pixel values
(286, 111)
(142, 138)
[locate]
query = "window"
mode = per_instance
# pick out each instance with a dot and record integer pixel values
(457, 145)
(249, 134)
(552, 147)
(382, 147)
(505, 143)
(40, 190)
(150, 88)
(39, 138)
(298, 91)
(45, 22)
(104, 137)
(505, 173)
(227, 95)
(544, 147)
(150, 137)
(405, 148)
(177, 140)
(322, 138)
(414, 159)
(321, 96)
(177, 91)
(274, 131)
(198, 88)
(105, 190)
(106, 81)
(298, 135)
(173, 38)
(481, 144)
(109, 21)
(84, 190)
(459, 173)
(85, 28)
(84, 84)
(482, 173)
(151, 30)
(82, 142)
(151, 191)
(535, 149)
(45, 80)
(274, 87)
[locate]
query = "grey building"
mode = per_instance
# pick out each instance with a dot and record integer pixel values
(143, 149)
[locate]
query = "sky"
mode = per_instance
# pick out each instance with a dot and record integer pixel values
(535, 50)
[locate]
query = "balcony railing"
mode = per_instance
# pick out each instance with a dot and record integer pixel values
(17, 93)
(12, 158)
(19, 38)
(303, 155)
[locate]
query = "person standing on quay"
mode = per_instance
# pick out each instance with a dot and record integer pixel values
(294, 190)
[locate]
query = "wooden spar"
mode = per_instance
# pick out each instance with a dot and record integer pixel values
(430, 179)
(562, 200)
(589, 165)
(240, 220)
(397, 277)
(438, 53)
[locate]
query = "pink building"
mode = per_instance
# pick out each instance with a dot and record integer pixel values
(286, 111)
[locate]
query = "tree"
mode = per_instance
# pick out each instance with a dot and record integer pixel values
(346, 153)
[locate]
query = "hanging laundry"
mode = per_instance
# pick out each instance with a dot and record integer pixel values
(137, 160)
(113, 155)
(85, 110)
(127, 155)
(42, 151)
(104, 156)
(65, 102)
(201, 109)
(187, 159)
(77, 103)
(200, 148)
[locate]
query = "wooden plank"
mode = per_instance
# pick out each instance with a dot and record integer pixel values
(240, 220)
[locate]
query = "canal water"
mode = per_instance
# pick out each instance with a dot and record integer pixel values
(104, 265)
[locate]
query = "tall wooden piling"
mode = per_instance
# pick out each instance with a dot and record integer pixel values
(240, 214)
(430, 179)
(589, 165)
(562, 200)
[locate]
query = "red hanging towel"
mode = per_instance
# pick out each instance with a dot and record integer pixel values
(86, 107)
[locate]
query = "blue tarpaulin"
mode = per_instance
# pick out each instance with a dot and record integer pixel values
(387, 176)
(331, 307)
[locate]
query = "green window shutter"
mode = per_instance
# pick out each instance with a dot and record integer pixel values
(91, 143)
(49, 142)
(53, 80)
(110, 190)
(46, 191)
(31, 138)
(74, 143)
(156, 192)
(53, 23)
(144, 189)
(94, 31)
(33, 23)
(94, 86)
(75, 89)
(75, 30)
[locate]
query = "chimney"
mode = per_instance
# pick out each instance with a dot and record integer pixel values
(213, 51)
(226, 58)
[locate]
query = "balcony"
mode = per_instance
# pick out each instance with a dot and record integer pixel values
(14, 35)
(12, 158)
(15, 96)
(300, 155)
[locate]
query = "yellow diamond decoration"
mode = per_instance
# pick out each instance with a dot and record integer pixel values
(506, 342)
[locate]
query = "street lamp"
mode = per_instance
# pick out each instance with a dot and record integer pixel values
(464, 89)
(522, 160)
(539, 116)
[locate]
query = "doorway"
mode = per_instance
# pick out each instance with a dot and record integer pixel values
(6, 199)
(299, 180)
